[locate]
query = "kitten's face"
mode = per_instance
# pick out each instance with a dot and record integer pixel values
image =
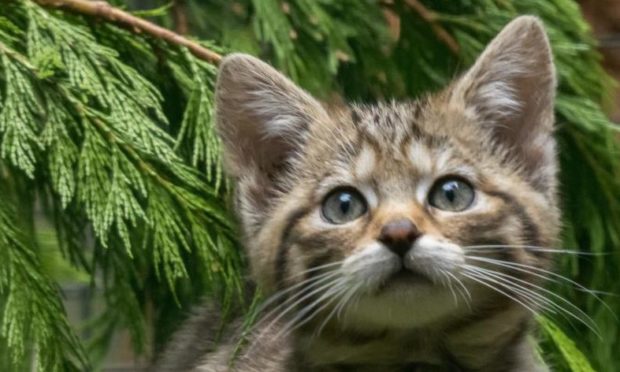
(382, 210)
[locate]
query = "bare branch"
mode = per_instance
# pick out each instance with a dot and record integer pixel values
(103, 10)
(430, 17)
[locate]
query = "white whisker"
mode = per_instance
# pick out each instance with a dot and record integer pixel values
(533, 248)
(330, 295)
(316, 268)
(449, 285)
(479, 279)
(336, 310)
(528, 294)
(538, 272)
(462, 289)
(509, 283)
(322, 283)
(276, 296)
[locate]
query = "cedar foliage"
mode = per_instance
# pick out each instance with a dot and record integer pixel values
(108, 135)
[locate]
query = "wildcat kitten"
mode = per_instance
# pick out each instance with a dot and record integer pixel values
(376, 227)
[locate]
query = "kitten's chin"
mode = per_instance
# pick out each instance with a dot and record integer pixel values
(405, 280)
(404, 303)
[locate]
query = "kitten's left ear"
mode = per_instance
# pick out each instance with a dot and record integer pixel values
(511, 90)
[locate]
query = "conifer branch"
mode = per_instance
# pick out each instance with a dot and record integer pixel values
(430, 17)
(103, 10)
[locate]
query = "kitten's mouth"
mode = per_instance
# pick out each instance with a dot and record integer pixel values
(405, 276)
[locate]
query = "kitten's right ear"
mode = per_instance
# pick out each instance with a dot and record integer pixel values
(262, 117)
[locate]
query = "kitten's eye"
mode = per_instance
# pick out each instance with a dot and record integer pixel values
(342, 205)
(451, 194)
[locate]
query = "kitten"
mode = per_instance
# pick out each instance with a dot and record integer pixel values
(389, 234)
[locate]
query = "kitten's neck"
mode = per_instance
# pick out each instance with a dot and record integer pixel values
(337, 346)
(453, 348)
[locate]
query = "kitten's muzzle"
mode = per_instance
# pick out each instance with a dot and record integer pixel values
(399, 235)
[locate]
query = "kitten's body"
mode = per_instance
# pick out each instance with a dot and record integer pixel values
(400, 287)
(498, 347)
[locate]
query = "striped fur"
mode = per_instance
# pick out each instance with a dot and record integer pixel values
(492, 127)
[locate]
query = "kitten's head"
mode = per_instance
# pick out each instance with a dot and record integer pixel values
(383, 203)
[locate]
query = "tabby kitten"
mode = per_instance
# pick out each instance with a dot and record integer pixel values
(391, 235)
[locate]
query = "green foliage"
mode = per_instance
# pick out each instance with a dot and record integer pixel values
(109, 135)
(92, 136)
(572, 356)
(310, 40)
(33, 318)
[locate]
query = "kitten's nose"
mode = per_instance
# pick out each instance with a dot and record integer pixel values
(398, 235)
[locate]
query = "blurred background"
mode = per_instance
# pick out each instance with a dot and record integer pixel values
(604, 18)
(130, 222)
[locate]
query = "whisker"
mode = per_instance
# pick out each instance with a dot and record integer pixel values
(339, 287)
(534, 248)
(336, 310)
(322, 284)
(464, 290)
(330, 295)
(527, 293)
(291, 307)
(479, 279)
(355, 292)
(509, 282)
(328, 285)
(533, 270)
(449, 285)
(597, 292)
(276, 296)
(279, 294)
(316, 268)
(547, 305)
(321, 281)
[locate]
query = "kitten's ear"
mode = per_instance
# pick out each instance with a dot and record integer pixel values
(511, 90)
(262, 117)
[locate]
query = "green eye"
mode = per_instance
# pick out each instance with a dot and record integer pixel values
(451, 194)
(343, 205)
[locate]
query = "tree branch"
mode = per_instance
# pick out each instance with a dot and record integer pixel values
(430, 17)
(105, 11)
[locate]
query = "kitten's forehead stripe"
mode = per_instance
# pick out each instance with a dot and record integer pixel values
(355, 116)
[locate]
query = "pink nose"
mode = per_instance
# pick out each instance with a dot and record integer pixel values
(399, 235)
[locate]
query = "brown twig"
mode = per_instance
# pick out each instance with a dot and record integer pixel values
(430, 17)
(103, 10)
